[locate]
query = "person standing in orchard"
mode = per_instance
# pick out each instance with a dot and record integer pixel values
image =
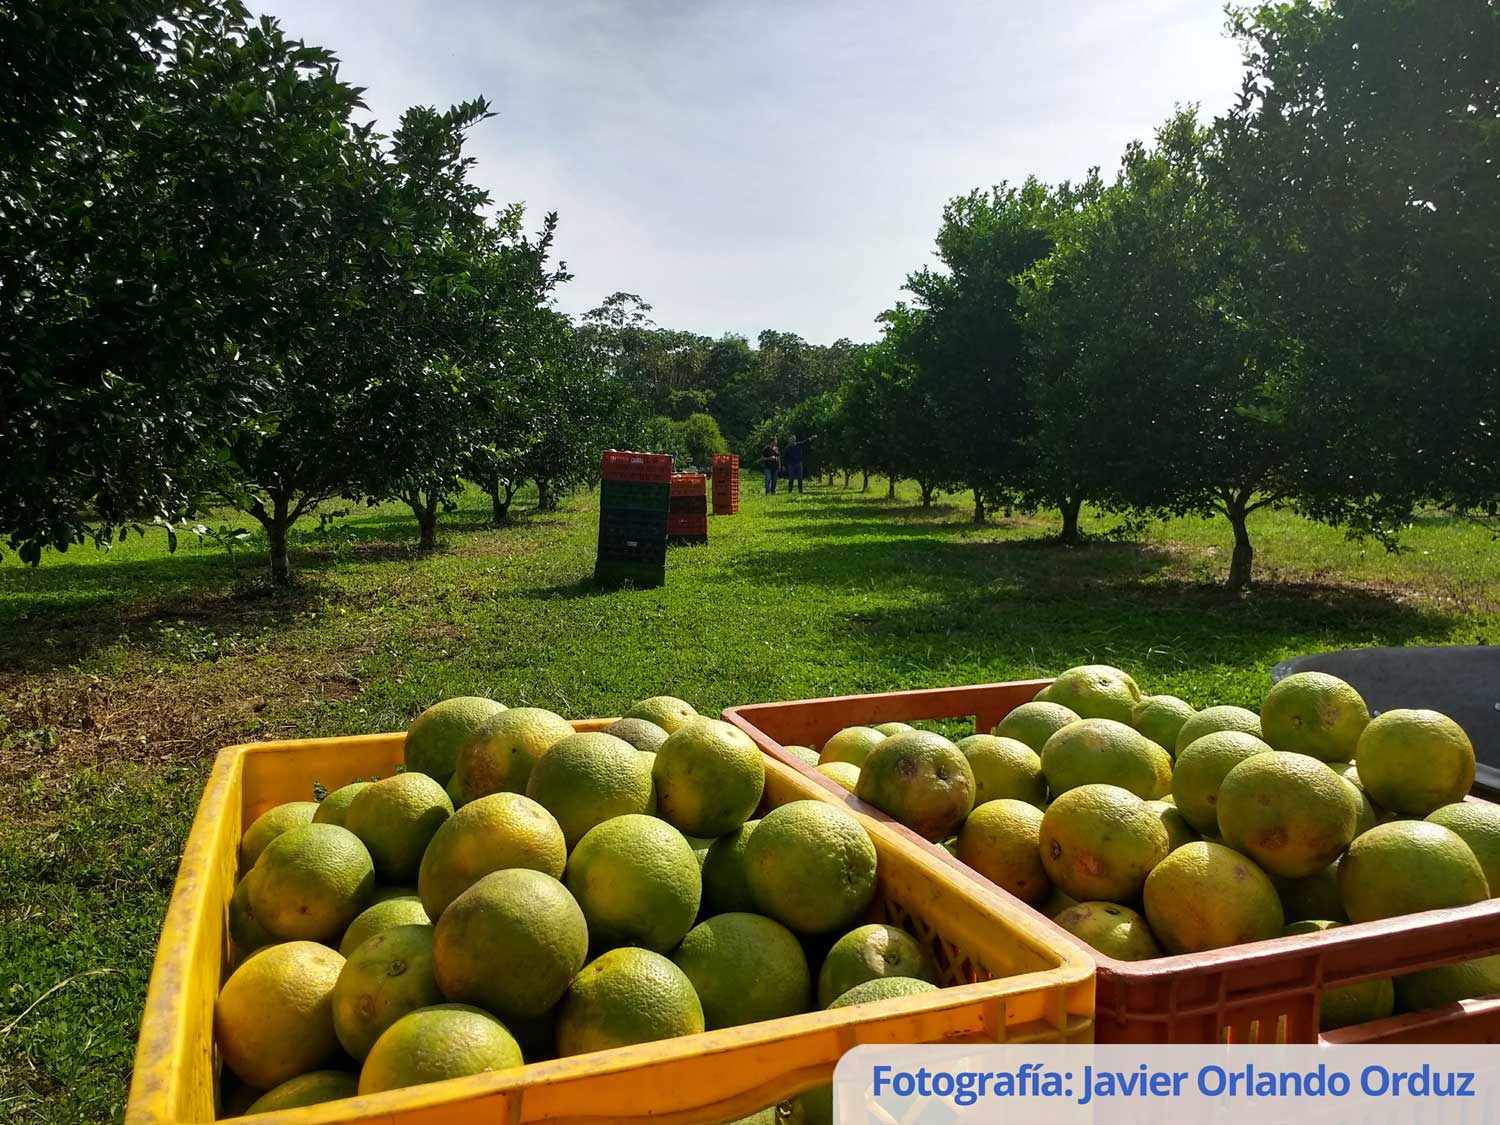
(792, 458)
(770, 463)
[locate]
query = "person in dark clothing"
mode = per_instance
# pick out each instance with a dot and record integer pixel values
(791, 457)
(770, 463)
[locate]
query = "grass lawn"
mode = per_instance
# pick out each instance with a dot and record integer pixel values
(121, 674)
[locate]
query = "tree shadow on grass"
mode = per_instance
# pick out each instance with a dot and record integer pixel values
(1034, 605)
(59, 615)
(935, 563)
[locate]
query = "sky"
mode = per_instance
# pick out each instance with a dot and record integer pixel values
(773, 163)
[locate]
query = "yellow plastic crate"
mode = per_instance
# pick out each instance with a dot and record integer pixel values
(1013, 982)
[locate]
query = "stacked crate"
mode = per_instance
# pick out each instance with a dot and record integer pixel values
(688, 520)
(634, 498)
(726, 484)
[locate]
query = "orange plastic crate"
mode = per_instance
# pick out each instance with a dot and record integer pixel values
(1010, 981)
(1264, 992)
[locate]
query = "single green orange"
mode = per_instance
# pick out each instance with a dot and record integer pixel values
(273, 1019)
(247, 934)
(666, 711)
(709, 778)
(1478, 824)
(1408, 866)
(922, 780)
(869, 953)
(396, 819)
(1002, 841)
(512, 917)
(1094, 691)
(1448, 984)
(387, 976)
(1099, 842)
(882, 988)
(334, 808)
(852, 745)
(1004, 768)
(1315, 714)
(1415, 762)
(270, 824)
(1206, 896)
(811, 866)
(431, 1044)
(313, 1088)
(1316, 896)
(804, 754)
(1035, 722)
(1211, 720)
(1114, 930)
(1160, 718)
(311, 882)
(387, 914)
(497, 757)
(640, 733)
(1200, 771)
(1179, 831)
(726, 880)
(626, 996)
(585, 779)
(1105, 752)
(637, 881)
(490, 834)
(745, 968)
(843, 774)
(1288, 812)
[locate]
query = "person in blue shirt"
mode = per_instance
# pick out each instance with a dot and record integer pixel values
(791, 460)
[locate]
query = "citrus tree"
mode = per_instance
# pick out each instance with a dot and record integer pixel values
(1152, 386)
(1363, 154)
(174, 180)
(967, 347)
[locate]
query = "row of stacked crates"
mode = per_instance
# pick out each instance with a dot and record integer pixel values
(687, 521)
(635, 492)
(726, 484)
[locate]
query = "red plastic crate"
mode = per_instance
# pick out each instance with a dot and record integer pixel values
(687, 524)
(654, 468)
(689, 484)
(726, 484)
(1263, 992)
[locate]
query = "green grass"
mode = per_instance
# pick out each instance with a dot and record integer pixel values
(121, 673)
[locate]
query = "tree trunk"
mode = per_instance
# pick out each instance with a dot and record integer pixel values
(427, 522)
(1070, 508)
(424, 505)
(848, 475)
(546, 501)
(501, 494)
(927, 493)
(865, 485)
(277, 522)
(978, 506)
(890, 488)
(1244, 554)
